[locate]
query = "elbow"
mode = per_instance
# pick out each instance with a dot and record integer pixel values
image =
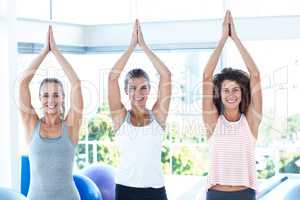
(168, 74)
(112, 76)
(76, 82)
(255, 75)
(24, 83)
(207, 76)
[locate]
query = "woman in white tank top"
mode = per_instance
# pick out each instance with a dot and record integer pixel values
(139, 131)
(232, 110)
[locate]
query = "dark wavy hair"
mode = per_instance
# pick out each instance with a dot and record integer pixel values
(135, 73)
(241, 78)
(54, 80)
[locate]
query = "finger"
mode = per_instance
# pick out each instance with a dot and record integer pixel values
(135, 27)
(230, 17)
(226, 17)
(50, 33)
(139, 27)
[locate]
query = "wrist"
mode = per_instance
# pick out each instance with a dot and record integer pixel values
(144, 47)
(45, 51)
(54, 50)
(235, 39)
(223, 39)
(131, 48)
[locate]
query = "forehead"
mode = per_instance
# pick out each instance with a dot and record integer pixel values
(230, 84)
(51, 87)
(137, 81)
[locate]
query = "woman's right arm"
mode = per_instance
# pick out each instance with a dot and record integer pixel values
(28, 114)
(117, 109)
(209, 110)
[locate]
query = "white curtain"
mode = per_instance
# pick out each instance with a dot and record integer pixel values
(9, 161)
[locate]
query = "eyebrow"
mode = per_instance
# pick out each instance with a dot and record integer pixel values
(232, 88)
(51, 93)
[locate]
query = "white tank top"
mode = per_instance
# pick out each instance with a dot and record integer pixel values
(140, 154)
(232, 154)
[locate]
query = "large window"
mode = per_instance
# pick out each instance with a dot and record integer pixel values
(93, 11)
(125, 11)
(34, 9)
(255, 8)
(168, 10)
(185, 148)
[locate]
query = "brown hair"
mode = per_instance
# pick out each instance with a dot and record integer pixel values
(135, 73)
(241, 78)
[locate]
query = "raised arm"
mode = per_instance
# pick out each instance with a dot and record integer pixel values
(74, 115)
(209, 110)
(254, 113)
(28, 114)
(161, 106)
(117, 109)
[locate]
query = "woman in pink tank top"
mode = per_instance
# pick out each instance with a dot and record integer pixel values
(232, 110)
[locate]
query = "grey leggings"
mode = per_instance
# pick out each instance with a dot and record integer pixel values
(246, 194)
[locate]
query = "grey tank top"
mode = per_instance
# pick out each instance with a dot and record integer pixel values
(51, 167)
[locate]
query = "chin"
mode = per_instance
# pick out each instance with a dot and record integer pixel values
(140, 105)
(51, 112)
(231, 107)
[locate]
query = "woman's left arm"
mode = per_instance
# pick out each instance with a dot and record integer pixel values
(161, 106)
(74, 115)
(254, 113)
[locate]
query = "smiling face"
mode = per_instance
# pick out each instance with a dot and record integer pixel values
(231, 95)
(52, 98)
(138, 90)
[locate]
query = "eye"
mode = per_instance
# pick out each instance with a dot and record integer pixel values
(236, 89)
(45, 95)
(131, 88)
(144, 87)
(226, 91)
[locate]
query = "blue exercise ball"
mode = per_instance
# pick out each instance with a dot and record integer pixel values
(293, 194)
(87, 189)
(25, 175)
(8, 194)
(104, 177)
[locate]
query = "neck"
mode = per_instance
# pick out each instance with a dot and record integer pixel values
(232, 115)
(52, 119)
(139, 112)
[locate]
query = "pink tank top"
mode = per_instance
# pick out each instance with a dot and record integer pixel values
(232, 154)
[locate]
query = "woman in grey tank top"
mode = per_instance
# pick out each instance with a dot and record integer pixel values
(52, 138)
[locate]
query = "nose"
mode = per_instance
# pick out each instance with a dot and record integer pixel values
(51, 99)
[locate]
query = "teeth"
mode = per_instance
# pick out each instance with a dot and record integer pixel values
(51, 107)
(231, 101)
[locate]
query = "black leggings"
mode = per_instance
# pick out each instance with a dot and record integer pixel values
(132, 193)
(246, 194)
